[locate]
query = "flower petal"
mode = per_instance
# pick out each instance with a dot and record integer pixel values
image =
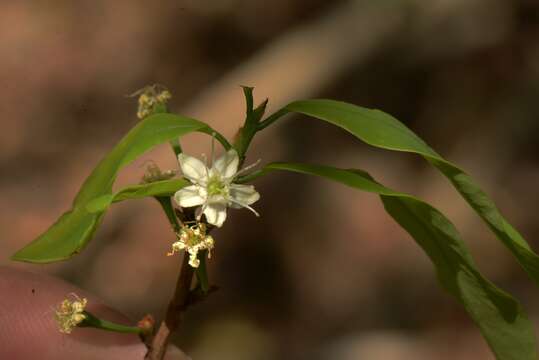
(215, 214)
(193, 261)
(190, 196)
(243, 194)
(193, 169)
(227, 165)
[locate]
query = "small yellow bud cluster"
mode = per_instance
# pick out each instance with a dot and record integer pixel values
(70, 313)
(154, 173)
(193, 239)
(149, 98)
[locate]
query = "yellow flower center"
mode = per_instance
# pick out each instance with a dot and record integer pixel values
(217, 187)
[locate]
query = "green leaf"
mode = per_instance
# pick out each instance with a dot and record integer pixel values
(75, 228)
(500, 318)
(158, 188)
(384, 131)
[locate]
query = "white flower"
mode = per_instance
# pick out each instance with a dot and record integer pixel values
(193, 239)
(70, 313)
(213, 188)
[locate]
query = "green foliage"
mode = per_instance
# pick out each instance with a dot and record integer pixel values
(250, 127)
(500, 318)
(76, 227)
(158, 188)
(381, 130)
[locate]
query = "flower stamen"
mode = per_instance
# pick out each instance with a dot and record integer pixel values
(193, 239)
(247, 168)
(70, 314)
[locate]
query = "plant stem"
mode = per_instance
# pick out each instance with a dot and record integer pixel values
(169, 212)
(202, 273)
(181, 299)
(176, 147)
(272, 118)
(175, 310)
(250, 126)
(95, 322)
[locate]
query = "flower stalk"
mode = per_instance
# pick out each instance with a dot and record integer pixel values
(71, 314)
(95, 322)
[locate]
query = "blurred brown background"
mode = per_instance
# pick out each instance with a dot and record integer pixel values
(324, 273)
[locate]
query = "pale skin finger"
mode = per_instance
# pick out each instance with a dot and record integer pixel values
(28, 329)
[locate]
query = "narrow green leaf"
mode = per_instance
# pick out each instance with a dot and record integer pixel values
(153, 130)
(384, 131)
(76, 227)
(158, 188)
(500, 318)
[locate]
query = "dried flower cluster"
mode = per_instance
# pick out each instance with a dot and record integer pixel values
(69, 314)
(193, 239)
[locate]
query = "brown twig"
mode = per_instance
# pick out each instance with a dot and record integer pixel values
(175, 310)
(183, 295)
